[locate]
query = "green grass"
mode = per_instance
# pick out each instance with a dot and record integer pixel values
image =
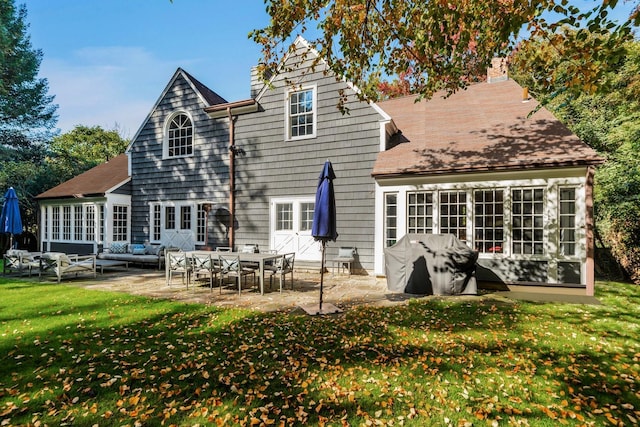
(79, 357)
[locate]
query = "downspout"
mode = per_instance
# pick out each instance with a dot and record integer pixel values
(232, 180)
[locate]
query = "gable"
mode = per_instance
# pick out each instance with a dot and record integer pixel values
(181, 83)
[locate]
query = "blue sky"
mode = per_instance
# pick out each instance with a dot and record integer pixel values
(107, 61)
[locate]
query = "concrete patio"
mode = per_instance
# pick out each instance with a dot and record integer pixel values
(341, 290)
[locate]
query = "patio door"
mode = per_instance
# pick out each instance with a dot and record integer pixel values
(291, 221)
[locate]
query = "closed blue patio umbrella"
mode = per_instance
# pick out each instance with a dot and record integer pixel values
(10, 220)
(324, 226)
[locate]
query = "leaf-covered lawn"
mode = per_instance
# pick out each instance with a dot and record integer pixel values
(78, 357)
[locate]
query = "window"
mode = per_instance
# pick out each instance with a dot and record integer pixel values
(201, 223)
(453, 213)
(391, 219)
(101, 227)
(420, 213)
(55, 223)
(301, 114)
(66, 223)
(157, 223)
(77, 222)
(489, 220)
(185, 217)
(179, 136)
(527, 218)
(306, 216)
(91, 222)
(120, 223)
(170, 218)
(284, 216)
(46, 224)
(567, 221)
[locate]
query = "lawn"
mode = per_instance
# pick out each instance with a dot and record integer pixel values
(71, 356)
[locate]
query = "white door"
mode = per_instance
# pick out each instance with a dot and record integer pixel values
(291, 221)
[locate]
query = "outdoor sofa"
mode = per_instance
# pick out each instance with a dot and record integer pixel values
(60, 264)
(147, 254)
(19, 260)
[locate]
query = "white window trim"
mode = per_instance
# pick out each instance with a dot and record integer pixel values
(165, 135)
(287, 117)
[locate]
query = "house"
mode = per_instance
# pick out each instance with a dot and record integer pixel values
(205, 172)
(73, 215)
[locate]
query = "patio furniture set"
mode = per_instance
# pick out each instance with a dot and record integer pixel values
(57, 264)
(222, 263)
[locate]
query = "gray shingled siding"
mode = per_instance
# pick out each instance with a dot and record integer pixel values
(274, 167)
(203, 176)
(270, 166)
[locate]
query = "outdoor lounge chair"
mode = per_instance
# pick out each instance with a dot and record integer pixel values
(61, 264)
(17, 260)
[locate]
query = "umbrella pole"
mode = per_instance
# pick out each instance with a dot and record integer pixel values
(322, 274)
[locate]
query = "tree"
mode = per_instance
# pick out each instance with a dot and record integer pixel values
(80, 149)
(27, 115)
(443, 42)
(609, 121)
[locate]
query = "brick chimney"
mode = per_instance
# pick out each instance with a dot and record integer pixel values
(498, 71)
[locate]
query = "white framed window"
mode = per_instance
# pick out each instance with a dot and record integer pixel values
(453, 214)
(284, 216)
(488, 218)
(567, 220)
(120, 223)
(55, 223)
(306, 215)
(178, 136)
(156, 221)
(420, 212)
(301, 114)
(201, 223)
(170, 217)
(78, 226)
(391, 219)
(91, 222)
(527, 219)
(66, 223)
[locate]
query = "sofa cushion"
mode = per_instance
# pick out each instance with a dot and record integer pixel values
(118, 247)
(138, 251)
(153, 249)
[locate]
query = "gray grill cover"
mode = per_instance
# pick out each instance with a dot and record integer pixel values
(431, 264)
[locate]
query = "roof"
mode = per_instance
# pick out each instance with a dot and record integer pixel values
(96, 181)
(485, 127)
(210, 96)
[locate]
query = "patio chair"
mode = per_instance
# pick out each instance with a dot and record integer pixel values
(344, 259)
(281, 267)
(61, 264)
(17, 260)
(177, 262)
(204, 264)
(231, 266)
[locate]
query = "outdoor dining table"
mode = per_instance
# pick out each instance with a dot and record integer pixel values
(259, 258)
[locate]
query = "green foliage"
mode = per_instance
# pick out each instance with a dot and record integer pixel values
(445, 44)
(609, 121)
(27, 115)
(81, 149)
(79, 357)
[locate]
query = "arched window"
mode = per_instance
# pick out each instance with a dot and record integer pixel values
(179, 136)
